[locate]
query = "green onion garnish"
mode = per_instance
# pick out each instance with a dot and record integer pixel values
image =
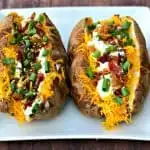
(47, 67)
(41, 18)
(45, 38)
(111, 48)
(35, 108)
(20, 91)
(26, 62)
(89, 73)
(13, 41)
(8, 61)
(31, 28)
(124, 91)
(27, 43)
(126, 25)
(13, 86)
(118, 100)
(32, 77)
(45, 53)
(126, 66)
(96, 54)
(29, 94)
(106, 84)
(37, 66)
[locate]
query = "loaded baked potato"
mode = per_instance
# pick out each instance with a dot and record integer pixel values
(33, 66)
(109, 68)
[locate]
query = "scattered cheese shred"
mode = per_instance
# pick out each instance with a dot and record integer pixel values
(10, 52)
(46, 88)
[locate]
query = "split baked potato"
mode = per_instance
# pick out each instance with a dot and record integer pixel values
(109, 69)
(33, 66)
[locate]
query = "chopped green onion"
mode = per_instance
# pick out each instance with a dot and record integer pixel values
(118, 100)
(45, 53)
(89, 73)
(25, 37)
(15, 29)
(13, 41)
(124, 91)
(13, 86)
(37, 66)
(45, 38)
(129, 41)
(27, 43)
(20, 91)
(106, 84)
(26, 62)
(126, 25)
(29, 94)
(126, 66)
(32, 31)
(111, 48)
(30, 55)
(31, 28)
(32, 77)
(8, 61)
(12, 69)
(47, 67)
(41, 18)
(96, 54)
(35, 108)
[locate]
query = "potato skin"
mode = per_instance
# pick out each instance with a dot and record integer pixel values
(57, 101)
(79, 61)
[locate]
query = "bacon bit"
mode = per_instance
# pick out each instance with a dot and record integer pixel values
(103, 58)
(40, 78)
(20, 53)
(118, 92)
(28, 104)
(115, 68)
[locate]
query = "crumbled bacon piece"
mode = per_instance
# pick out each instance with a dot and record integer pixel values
(115, 68)
(103, 58)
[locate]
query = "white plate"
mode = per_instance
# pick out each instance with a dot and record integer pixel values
(71, 124)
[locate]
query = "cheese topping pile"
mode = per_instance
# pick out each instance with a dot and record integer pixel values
(114, 68)
(28, 74)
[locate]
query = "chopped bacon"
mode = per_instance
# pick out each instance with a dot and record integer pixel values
(104, 58)
(115, 68)
(20, 53)
(28, 104)
(118, 92)
(40, 78)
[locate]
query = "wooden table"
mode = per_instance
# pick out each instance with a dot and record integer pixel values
(73, 144)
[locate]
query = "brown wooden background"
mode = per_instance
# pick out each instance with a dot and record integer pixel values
(73, 144)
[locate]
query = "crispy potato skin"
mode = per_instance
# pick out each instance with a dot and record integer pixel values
(78, 62)
(57, 101)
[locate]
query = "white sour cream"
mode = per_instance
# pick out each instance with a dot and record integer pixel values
(102, 93)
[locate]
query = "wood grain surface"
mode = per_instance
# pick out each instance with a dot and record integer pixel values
(73, 144)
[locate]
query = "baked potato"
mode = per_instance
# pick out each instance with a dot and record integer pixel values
(109, 69)
(33, 66)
